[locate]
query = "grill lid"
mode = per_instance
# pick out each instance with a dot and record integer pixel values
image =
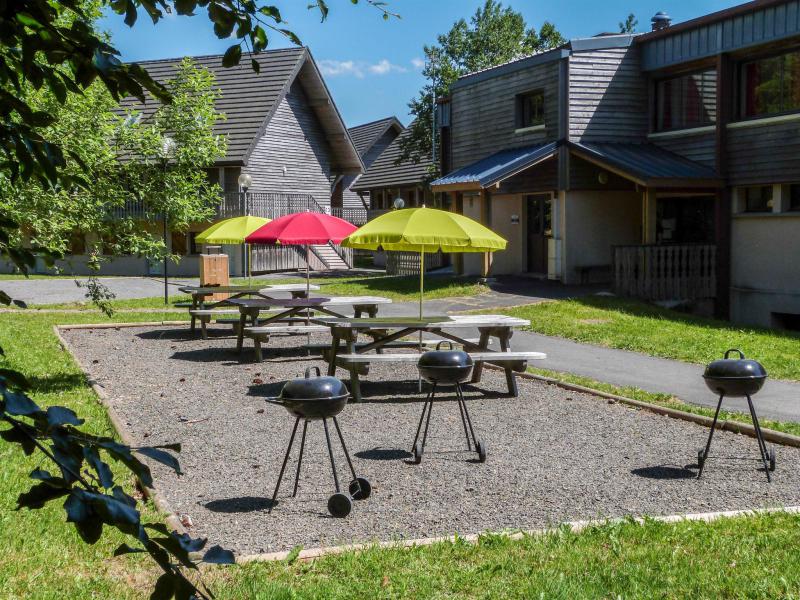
(313, 388)
(444, 358)
(735, 368)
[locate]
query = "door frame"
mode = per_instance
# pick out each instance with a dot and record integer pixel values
(550, 197)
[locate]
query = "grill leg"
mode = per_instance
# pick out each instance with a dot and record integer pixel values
(428, 420)
(710, 435)
(330, 451)
(463, 418)
(300, 458)
(346, 453)
(466, 413)
(283, 467)
(762, 446)
(422, 416)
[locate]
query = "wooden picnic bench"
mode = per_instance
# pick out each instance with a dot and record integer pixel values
(250, 308)
(385, 331)
(261, 334)
(200, 293)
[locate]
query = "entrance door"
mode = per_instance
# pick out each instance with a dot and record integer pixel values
(539, 222)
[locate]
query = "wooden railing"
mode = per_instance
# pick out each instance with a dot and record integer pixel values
(265, 204)
(356, 216)
(407, 263)
(666, 272)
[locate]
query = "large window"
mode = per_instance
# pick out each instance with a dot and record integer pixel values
(771, 86)
(530, 109)
(758, 198)
(686, 101)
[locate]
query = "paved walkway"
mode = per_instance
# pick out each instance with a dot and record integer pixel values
(57, 290)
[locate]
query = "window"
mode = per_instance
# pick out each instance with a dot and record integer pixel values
(686, 101)
(794, 197)
(179, 243)
(771, 85)
(758, 198)
(193, 245)
(530, 109)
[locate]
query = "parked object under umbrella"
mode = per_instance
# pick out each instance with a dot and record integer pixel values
(303, 229)
(737, 378)
(233, 231)
(319, 399)
(446, 367)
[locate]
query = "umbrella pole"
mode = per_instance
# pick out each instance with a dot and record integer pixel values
(421, 292)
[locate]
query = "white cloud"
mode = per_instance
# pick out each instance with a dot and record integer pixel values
(358, 69)
(417, 62)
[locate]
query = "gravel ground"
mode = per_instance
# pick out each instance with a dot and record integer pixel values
(553, 455)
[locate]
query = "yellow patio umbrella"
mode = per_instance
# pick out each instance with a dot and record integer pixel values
(424, 230)
(232, 231)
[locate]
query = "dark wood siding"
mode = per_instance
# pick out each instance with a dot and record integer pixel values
(540, 178)
(584, 175)
(764, 154)
(351, 198)
(607, 96)
(699, 147)
(294, 141)
(483, 115)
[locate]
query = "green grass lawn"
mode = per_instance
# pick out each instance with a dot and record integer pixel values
(631, 325)
(753, 557)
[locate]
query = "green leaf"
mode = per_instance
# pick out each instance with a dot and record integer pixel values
(104, 474)
(60, 415)
(232, 56)
(165, 458)
(39, 495)
(18, 404)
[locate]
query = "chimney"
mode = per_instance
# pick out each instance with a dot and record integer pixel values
(661, 20)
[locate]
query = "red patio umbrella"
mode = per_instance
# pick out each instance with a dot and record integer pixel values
(302, 229)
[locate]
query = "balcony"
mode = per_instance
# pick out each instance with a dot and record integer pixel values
(666, 271)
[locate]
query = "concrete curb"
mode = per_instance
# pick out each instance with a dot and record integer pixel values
(172, 519)
(574, 526)
(770, 435)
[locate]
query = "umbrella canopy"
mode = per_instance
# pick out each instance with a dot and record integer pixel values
(425, 230)
(305, 228)
(231, 231)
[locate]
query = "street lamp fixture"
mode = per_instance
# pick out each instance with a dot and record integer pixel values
(398, 203)
(167, 150)
(245, 181)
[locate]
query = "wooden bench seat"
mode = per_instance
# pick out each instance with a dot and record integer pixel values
(511, 361)
(261, 335)
(206, 315)
(325, 349)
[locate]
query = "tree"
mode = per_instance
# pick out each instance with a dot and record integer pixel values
(495, 34)
(629, 25)
(119, 157)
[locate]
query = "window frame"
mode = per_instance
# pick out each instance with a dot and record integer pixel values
(741, 85)
(657, 100)
(519, 104)
(766, 208)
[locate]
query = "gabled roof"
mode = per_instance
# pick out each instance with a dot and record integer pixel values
(249, 99)
(385, 173)
(364, 136)
(495, 168)
(647, 164)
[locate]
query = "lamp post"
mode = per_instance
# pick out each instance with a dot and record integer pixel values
(167, 149)
(245, 181)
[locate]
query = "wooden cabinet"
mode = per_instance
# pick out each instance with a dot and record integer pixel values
(214, 271)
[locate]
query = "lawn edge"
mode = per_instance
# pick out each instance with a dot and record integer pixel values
(473, 538)
(172, 519)
(771, 435)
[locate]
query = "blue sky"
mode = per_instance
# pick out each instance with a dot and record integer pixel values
(372, 66)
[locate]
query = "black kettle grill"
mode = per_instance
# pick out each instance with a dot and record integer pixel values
(446, 367)
(736, 378)
(319, 399)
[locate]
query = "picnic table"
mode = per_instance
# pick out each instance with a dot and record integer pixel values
(200, 293)
(295, 309)
(387, 330)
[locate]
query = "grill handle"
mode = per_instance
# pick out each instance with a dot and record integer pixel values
(273, 400)
(448, 342)
(319, 373)
(741, 354)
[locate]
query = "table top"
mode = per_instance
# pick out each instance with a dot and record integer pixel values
(252, 289)
(308, 302)
(426, 323)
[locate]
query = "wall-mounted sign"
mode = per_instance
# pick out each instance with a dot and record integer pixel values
(515, 219)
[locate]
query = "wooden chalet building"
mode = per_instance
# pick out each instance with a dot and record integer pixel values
(284, 130)
(667, 163)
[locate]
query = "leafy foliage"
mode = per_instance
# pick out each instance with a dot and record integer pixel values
(494, 35)
(629, 25)
(92, 500)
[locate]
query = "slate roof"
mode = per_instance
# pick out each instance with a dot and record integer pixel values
(384, 173)
(364, 136)
(249, 99)
(647, 164)
(497, 167)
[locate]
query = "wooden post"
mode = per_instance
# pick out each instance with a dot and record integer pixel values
(724, 199)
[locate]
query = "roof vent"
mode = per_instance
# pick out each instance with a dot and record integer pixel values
(661, 20)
